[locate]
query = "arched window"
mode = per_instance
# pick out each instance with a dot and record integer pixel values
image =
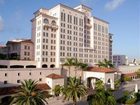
(109, 81)
(30, 66)
(53, 22)
(52, 66)
(44, 66)
(46, 20)
(16, 66)
(3, 66)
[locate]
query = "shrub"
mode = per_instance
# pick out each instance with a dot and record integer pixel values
(131, 101)
(117, 83)
(127, 79)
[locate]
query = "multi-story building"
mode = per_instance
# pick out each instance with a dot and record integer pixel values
(3, 49)
(64, 32)
(120, 60)
(20, 49)
(101, 40)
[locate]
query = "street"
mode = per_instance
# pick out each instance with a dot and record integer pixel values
(130, 86)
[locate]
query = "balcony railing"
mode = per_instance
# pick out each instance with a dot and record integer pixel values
(54, 26)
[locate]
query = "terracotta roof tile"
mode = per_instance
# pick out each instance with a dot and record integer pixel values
(43, 86)
(101, 69)
(55, 76)
(130, 74)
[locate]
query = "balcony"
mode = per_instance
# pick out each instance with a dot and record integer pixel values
(47, 25)
(88, 25)
(54, 26)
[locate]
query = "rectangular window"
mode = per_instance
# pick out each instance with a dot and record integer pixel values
(18, 74)
(18, 81)
(95, 26)
(28, 47)
(40, 79)
(5, 82)
(24, 53)
(30, 73)
(5, 74)
(61, 16)
(25, 47)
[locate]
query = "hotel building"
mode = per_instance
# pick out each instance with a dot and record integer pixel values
(59, 33)
(64, 32)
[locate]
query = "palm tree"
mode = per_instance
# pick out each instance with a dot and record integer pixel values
(101, 97)
(106, 63)
(74, 90)
(83, 67)
(110, 99)
(69, 63)
(97, 99)
(28, 94)
(99, 85)
(57, 90)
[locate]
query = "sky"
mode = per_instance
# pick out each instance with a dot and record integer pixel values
(123, 16)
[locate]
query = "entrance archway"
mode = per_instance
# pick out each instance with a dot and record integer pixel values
(107, 78)
(109, 83)
(91, 82)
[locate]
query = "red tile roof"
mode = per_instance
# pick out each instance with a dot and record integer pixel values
(101, 69)
(13, 89)
(55, 76)
(130, 74)
(1, 46)
(43, 86)
(8, 90)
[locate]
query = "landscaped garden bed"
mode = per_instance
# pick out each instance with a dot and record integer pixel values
(129, 98)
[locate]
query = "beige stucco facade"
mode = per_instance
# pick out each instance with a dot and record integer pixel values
(21, 49)
(76, 33)
(14, 76)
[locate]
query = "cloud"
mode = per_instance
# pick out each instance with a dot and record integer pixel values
(113, 4)
(1, 24)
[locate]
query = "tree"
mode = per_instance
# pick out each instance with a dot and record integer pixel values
(117, 83)
(106, 63)
(138, 73)
(109, 98)
(127, 78)
(69, 63)
(74, 90)
(101, 96)
(99, 85)
(28, 94)
(97, 99)
(57, 90)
